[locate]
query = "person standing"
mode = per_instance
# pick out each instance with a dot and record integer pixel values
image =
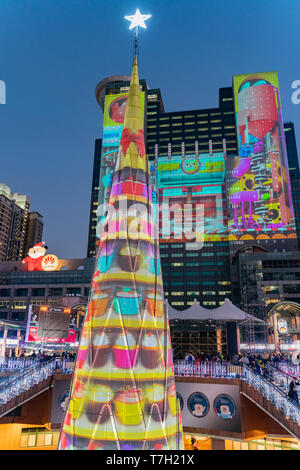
(293, 390)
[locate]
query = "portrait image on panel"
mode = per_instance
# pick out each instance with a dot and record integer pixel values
(198, 404)
(224, 406)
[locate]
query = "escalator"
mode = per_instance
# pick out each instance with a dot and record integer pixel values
(270, 393)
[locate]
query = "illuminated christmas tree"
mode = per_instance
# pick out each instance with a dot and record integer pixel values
(123, 394)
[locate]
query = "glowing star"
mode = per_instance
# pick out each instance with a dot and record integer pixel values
(137, 20)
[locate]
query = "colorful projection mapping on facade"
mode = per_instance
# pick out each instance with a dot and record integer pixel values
(259, 193)
(123, 393)
(196, 183)
(114, 113)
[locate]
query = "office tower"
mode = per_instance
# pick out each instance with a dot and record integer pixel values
(35, 230)
(14, 210)
(123, 395)
(294, 172)
(191, 148)
(91, 250)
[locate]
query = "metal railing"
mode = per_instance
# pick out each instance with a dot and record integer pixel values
(272, 392)
(15, 363)
(207, 369)
(15, 384)
(291, 369)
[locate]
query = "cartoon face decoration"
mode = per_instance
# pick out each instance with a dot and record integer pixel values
(198, 405)
(190, 165)
(37, 251)
(63, 400)
(282, 326)
(224, 406)
(117, 109)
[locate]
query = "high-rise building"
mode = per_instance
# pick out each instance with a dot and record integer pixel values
(91, 250)
(35, 229)
(14, 215)
(294, 171)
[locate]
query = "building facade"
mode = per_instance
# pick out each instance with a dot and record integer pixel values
(19, 228)
(19, 288)
(232, 160)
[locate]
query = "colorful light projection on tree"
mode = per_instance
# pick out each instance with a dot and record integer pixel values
(123, 393)
(259, 192)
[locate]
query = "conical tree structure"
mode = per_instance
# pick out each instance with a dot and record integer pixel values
(123, 393)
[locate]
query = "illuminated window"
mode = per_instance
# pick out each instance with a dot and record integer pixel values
(177, 293)
(176, 264)
(202, 122)
(208, 292)
(209, 302)
(164, 118)
(164, 125)
(215, 120)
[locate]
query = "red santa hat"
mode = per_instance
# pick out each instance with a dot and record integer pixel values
(38, 244)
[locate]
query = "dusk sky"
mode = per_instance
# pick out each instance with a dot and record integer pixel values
(54, 52)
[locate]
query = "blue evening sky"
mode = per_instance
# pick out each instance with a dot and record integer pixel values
(54, 52)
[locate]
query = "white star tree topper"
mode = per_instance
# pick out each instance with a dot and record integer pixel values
(137, 20)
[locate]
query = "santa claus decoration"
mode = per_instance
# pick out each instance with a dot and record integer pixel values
(35, 256)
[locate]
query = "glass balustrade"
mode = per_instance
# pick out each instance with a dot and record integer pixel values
(272, 392)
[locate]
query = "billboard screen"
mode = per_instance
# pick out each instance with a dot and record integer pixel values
(258, 185)
(51, 324)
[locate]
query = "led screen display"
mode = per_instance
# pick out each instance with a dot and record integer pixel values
(51, 326)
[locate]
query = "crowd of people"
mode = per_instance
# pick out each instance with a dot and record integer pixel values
(262, 364)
